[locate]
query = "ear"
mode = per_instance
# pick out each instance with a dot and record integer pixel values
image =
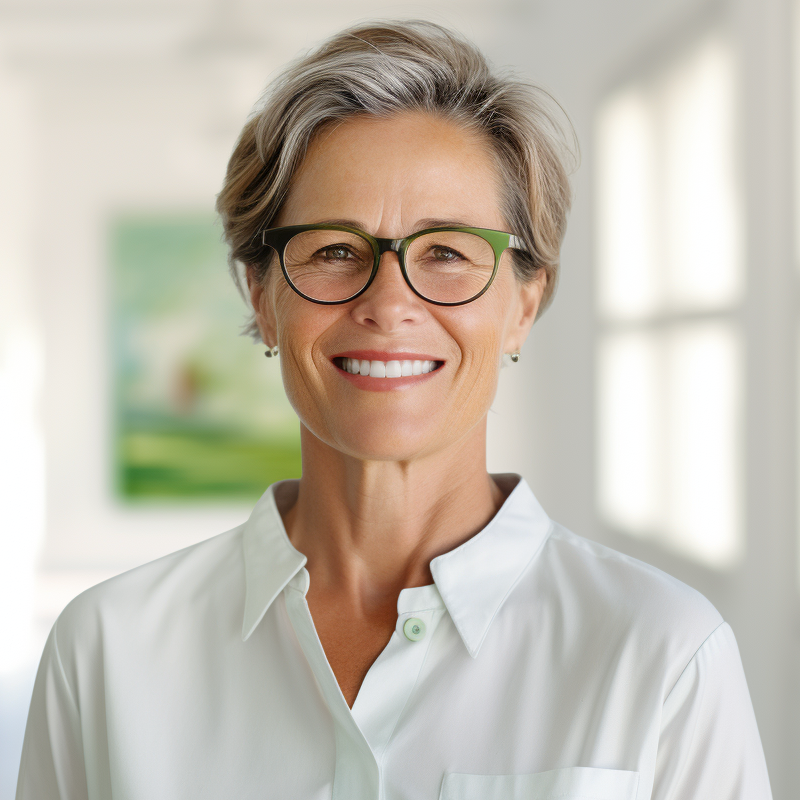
(529, 297)
(263, 306)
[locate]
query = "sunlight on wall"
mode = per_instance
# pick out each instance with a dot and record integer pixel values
(668, 408)
(669, 276)
(630, 429)
(627, 212)
(702, 214)
(703, 377)
(668, 204)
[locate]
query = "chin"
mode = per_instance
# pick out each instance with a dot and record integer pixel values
(381, 440)
(384, 448)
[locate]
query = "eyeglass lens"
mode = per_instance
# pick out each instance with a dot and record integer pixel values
(445, 266)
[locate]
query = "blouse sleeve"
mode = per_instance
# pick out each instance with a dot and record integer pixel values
(709, 744)
(52, 764)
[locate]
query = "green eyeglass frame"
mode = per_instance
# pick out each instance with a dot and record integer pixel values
(278, 238)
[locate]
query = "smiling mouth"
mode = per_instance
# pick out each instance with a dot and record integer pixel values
(386, 369)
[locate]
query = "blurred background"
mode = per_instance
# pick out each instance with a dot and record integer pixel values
(655, 407)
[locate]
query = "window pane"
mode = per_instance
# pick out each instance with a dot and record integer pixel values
(629, 424)
(669, 453)
(703, 221)
(670, 242)
(668, 191)
(704, 380)
(626, 206)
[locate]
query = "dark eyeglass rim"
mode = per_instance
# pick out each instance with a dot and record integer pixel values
(500, 241)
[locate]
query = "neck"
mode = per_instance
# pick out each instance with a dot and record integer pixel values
(371, 528)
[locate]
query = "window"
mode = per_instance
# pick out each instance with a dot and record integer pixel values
(670, 281)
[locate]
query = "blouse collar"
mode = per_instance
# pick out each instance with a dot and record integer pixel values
(474, 579)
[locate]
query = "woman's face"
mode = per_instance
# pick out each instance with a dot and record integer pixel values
(391, 177)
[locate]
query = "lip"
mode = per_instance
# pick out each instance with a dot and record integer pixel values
(385, 355)
(386, 384)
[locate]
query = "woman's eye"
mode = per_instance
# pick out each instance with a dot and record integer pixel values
(336, 253)
(445, 254)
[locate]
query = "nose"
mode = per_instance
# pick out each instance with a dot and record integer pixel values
(388, 304)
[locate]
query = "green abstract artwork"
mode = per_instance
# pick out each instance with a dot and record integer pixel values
(199, 413)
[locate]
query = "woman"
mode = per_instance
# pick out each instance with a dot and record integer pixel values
(397, 623)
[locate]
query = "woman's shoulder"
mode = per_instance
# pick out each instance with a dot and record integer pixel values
(180, 584)
(598, 589)
(619, 583)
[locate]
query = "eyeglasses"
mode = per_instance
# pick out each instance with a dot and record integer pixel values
(331, 264)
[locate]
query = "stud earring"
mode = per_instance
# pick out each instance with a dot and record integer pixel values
(271, 351)
(515, 356)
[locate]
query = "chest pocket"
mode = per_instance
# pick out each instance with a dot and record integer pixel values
(570, 783)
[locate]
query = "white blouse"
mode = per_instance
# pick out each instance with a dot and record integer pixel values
(538, 665)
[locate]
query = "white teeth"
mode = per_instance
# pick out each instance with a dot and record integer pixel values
(388, 369)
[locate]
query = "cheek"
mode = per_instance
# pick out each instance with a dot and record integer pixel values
(475, 381)
(483, 333)
(282, 298)
(302, 326)
(295, 317)
(481, 337)
(291, 327)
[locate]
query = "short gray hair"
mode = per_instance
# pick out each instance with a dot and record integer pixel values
(382, 68)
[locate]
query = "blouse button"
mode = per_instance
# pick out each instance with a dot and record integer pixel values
(414, 629)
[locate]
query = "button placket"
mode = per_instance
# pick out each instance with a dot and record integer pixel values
(390, 681)
(357, 775)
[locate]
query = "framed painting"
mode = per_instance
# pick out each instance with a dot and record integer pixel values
(199, 413)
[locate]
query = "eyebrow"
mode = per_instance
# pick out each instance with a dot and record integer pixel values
(443, 223)
(423, 224)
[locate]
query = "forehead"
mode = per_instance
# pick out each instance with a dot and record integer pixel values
(395, 171)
